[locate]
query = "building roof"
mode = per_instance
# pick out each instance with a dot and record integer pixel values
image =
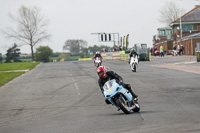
(191, 16)
(164, 28)
(190, 36)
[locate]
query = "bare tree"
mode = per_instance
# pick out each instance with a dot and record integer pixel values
(75, 46)
(31, 27)
(170, 12)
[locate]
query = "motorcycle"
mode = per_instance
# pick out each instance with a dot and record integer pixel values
(97, 62)
(133, 63)
(120, 97)
(174, 52)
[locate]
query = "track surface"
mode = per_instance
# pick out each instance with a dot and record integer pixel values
(64, 97)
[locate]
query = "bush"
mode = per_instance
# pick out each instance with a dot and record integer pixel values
(81, 55)
(43, 53)
(64, 56)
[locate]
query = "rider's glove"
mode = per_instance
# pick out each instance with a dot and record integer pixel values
(120, 82)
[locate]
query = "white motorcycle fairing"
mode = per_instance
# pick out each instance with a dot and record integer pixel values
(133, 63)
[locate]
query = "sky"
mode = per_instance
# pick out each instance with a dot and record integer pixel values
(77, 19)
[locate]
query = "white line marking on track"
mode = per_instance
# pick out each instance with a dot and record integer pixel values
(76, 86)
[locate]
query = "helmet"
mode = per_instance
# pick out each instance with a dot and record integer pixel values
(101, 71)
(133, 49)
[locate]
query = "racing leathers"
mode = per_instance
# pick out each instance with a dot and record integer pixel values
(131, 54)
(112, 75)
(97, 55)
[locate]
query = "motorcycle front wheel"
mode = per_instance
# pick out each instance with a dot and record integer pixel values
(134, 68)
(123, 104)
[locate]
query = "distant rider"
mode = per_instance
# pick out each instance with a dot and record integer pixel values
(104, 76)
(131, 54)
(97, 54)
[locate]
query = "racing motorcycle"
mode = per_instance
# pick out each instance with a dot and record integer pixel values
(133, 63)
(120, 97)
(174, 52)
(97, 62)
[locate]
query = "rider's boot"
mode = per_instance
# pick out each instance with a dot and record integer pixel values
(132, 93)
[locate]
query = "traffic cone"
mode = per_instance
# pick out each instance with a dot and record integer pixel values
(190, 58)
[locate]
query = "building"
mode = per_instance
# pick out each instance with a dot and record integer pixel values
(163, 38)
(189, 36)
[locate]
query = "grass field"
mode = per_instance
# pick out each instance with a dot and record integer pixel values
(52, 58)
(5, 76)
(18, 66)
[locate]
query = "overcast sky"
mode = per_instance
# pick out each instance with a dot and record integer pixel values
(77, 19)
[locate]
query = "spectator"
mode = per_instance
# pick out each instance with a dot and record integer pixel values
(178, 48)
(153, 51)
(182, 48)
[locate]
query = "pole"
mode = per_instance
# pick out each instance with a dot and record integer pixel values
(181, 28)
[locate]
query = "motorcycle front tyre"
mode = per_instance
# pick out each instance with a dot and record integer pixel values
(120, 103)
(134, 67)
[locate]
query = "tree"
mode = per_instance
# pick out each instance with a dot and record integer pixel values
(75, 46)
(64, 56)
(170, 12)
(1, 58)
(31, 27)
(12, 54)
(43, 53)
(96, 48)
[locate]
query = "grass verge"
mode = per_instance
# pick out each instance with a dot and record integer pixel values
(5, 77)
(18, 66)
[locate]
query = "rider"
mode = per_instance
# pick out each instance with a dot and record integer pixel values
(97, 54)
(104, 76)
(131, 54)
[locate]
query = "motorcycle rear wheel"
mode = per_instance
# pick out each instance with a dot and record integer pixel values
(137, 108)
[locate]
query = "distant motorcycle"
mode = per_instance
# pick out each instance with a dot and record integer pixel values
(174, 52)
(98, 61)
(120, 97)
(134, 63)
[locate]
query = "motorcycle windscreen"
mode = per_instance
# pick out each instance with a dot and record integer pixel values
(97, 58)
(108, 85)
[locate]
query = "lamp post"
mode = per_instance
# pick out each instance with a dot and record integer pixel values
(181, 28)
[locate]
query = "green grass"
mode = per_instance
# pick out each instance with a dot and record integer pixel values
(18, 66)
(26, 60)
(5, 77)
(53, 58)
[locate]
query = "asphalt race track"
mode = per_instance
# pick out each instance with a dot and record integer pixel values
(64, 97)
